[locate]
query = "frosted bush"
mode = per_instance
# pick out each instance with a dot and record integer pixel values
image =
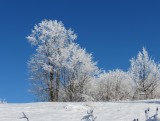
(89, 116)
(150, 118)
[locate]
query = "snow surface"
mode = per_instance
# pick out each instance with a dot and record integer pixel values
(62, 111)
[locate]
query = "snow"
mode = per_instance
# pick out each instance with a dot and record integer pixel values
(74, 111)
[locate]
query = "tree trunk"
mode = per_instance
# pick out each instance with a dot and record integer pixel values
(51, 88)
(57, 85)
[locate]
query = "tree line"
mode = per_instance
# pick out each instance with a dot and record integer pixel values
(61, 70)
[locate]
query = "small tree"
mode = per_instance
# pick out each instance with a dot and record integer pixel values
(145, 73)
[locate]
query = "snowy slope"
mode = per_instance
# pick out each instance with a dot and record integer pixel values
(123, 111)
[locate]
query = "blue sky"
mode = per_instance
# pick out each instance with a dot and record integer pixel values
(114, 31)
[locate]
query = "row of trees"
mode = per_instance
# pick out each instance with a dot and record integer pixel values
(141, 81)
(61, 70)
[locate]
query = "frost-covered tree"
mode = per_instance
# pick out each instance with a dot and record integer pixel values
(59, 68)
(114, 85)
(50, 39)
(80, 69)
(145, 72)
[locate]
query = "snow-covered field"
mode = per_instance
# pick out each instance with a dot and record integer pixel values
(122, 111)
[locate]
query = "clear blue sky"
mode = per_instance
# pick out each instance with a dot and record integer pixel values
(114, 31)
